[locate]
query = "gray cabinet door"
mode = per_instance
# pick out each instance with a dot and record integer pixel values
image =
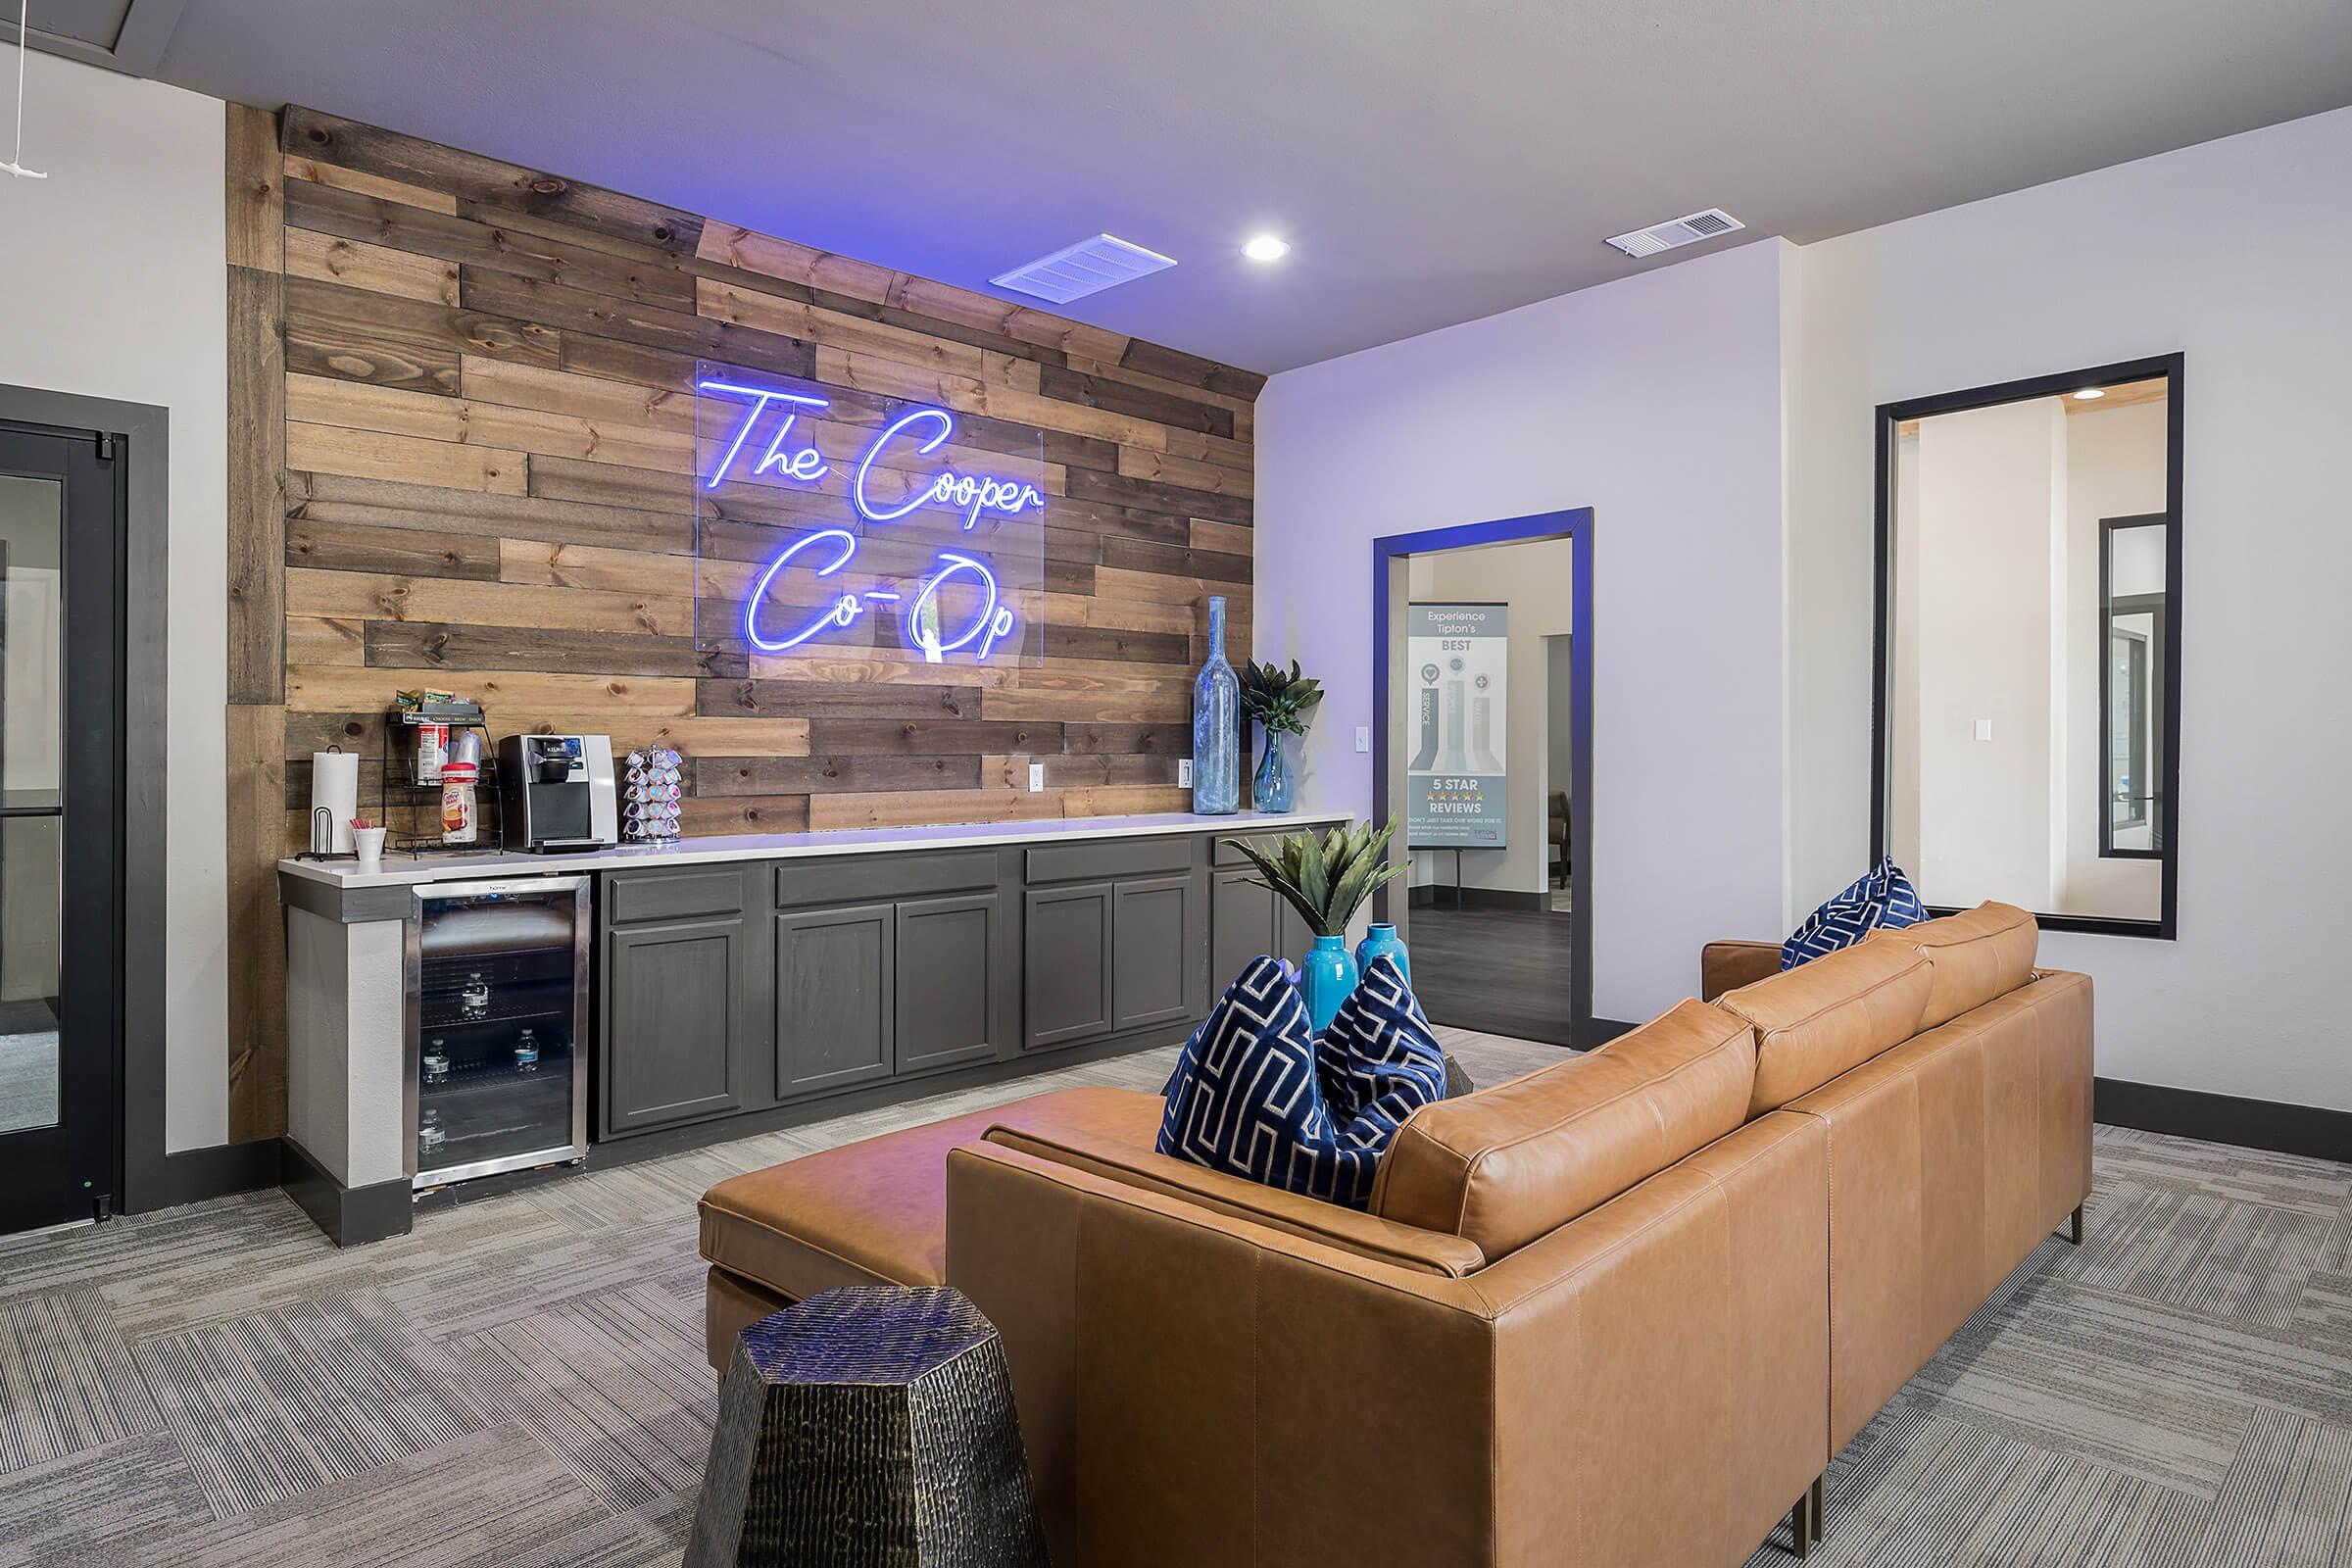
(1292, 938)
(674, 1022)
(836, 993)
(1241, 926)
(947, 981)
(1066, 964)
(1152, 952)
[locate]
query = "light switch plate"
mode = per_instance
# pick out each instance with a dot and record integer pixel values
(1363, 737)
(1184, 772)
(1037, 777)
(1984, 729)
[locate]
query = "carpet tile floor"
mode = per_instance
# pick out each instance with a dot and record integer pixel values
(520, 1383)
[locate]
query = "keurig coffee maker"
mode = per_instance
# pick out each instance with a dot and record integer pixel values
(555, 792)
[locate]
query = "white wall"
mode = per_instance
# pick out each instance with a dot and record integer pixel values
(1980, 558)
(1657, 402)
(113, 286)
(2115, 460)
(2234, 253)
(1538, 581)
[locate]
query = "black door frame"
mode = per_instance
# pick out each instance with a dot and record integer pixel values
(1891, 417)
(1389, 556)
(2109, 608)
(72, 1168)
(147, 1177)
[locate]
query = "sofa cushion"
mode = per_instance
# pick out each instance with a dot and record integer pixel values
(1239, 1198)
(875, 1213)
(1509, 1164)
(1881, 897)
(1247, 1093)
(1815, 1021)
(1976, 956)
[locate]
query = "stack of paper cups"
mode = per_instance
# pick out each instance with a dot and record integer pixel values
(335, 787)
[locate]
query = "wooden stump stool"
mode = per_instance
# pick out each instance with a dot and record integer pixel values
(866, 1426)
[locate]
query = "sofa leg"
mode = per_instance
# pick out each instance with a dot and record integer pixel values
(2075, 1226)
(1819, 1496)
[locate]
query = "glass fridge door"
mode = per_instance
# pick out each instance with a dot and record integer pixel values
(497, 1003)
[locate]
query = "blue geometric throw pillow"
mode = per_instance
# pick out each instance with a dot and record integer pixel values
(1883, 898)
(1376, 1059)
(1248, 1099)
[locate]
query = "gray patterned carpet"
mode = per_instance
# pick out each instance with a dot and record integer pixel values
(519, 1384)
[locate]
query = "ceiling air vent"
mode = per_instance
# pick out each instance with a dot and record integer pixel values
(1089, 267)
(1687, 230)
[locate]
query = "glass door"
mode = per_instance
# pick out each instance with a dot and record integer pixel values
(61, 545)
(497, 997)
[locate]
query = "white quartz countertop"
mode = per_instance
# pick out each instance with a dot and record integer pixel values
(403, 870)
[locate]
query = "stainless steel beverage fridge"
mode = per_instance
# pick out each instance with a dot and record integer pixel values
(497, 1007)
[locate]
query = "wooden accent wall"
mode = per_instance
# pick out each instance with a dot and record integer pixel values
(462, 453)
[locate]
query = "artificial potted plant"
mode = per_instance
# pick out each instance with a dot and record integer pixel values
(1326, 878)
(1279, 701)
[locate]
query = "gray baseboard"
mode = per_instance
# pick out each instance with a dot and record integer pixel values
(349, 1215)
(2265, 1125)
(726, 1129)
(193, 1175)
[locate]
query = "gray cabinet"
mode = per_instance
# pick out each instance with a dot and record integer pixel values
(1116, 938)
(1155, 971)
(736, 988)
(949, 1007)
(675, 1016)
(836, 997)
(1066, 975)
(1245, 921)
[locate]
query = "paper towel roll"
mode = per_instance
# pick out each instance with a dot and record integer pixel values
(335, 785)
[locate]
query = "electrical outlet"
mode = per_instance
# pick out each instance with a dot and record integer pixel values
(1184, 772)
(1984, 729)
(1037, 777)
(1363, 737)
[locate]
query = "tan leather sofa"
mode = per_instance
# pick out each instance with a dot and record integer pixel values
(1620, 1311)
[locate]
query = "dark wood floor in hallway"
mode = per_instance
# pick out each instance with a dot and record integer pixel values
(1499, 972)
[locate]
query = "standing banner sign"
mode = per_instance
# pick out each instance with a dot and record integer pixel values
(1455, 795)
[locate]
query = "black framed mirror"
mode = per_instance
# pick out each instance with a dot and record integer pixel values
(2027, 709)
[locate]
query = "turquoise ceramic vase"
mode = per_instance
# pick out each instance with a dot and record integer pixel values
(1326, 979)
(1383, 942)
(1272, 787)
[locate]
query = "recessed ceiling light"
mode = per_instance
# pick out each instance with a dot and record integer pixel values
(1266, 248)
(2090, 394)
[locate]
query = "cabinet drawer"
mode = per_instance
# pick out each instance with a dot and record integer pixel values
(673, 893)
(1110, 857)
(1225, 854)
(895, 874)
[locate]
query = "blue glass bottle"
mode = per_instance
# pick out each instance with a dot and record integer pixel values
(1272, 787)
(1216, 726)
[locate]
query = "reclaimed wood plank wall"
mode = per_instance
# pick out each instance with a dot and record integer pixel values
(461, 456)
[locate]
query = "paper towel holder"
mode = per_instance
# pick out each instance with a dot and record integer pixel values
(322, 833)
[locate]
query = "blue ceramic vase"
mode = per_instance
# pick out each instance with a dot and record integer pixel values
(1383, 942)
(1326, 979)
(1273, 787)
(1216, 726)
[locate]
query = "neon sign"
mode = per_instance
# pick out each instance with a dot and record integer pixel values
(824, 552)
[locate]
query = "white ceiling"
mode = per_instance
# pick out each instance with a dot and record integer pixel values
(1430, 162)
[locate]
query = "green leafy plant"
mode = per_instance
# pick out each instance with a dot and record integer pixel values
(1279, 699)
(1326, 879)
